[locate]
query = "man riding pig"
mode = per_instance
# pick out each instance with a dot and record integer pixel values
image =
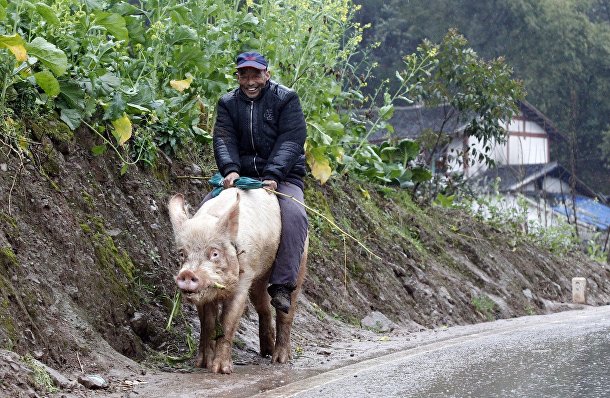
(235, 243)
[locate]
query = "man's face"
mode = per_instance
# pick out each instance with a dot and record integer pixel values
(252, 80)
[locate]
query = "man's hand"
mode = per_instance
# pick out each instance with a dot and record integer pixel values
(271, 184)
(229, 179)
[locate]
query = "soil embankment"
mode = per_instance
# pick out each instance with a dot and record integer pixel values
(87, 265)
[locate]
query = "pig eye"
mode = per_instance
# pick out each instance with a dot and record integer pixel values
(214, 254)
(181, 255)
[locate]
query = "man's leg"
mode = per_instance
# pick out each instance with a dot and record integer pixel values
(292, 241)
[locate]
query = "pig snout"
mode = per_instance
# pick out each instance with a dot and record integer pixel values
(188, 282)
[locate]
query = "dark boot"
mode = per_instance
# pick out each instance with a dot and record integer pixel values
(280, 297)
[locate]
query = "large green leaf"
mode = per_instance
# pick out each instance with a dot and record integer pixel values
(183, 34)
(47, 13)
(249, 18)
(421, 174)
(2, 12)
(108, 83)
(48, 83)
(51, 56)
(137, 33)
(114, 24)
(335, 128)
(94, 4)
(386, 112)
(124, 9)
(409, 149)
(73, 94)
(116, 108)
(72, 117)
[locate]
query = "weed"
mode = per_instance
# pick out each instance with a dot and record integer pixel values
(42, 379)
(320, 314)
(485, 306)
(347, 319)
(529, 310)
(239, 343)
(595, 250)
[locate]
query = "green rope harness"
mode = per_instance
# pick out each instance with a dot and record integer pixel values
(241, 183)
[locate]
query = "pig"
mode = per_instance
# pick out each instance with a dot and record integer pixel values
(226, 251)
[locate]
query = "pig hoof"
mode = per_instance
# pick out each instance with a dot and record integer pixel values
(281, 355)
(224, 367)
(266, 351)
(199, 361)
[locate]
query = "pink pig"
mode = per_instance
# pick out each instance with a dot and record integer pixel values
(227, 250)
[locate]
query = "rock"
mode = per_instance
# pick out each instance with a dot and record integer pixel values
(378, 322)
(528, 293)
(113, 232)
(139, 325)
(195, 170)
(93, 382)
(3, 167)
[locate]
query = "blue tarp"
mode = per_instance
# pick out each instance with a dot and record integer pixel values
(588, 210)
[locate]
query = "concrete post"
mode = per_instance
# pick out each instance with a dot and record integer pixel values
(579, 290)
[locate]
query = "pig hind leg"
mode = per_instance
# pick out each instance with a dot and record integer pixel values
(208, 314)
(261, 301)
(282, 352)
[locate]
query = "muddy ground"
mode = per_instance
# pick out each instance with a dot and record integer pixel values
(87, 265)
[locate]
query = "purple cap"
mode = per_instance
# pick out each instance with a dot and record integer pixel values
(251, 60)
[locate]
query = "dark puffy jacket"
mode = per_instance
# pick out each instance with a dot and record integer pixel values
(263, 137)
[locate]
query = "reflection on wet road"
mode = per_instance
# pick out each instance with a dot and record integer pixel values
(532, 366)
(561, 355)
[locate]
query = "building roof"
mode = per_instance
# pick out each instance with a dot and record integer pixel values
(513, 178)
(590, 206)
(533, 114)
(412, 121)
(588, 210)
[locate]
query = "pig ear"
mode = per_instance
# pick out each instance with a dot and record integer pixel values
(228, 223)
(177, 212)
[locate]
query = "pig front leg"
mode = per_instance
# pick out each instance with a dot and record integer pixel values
(231, 314)
(207, 318)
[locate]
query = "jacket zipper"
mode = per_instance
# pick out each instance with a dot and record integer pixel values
(252, 137)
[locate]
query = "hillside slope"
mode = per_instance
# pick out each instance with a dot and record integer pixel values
(87, 263)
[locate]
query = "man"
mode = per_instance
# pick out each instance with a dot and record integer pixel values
(260, 133)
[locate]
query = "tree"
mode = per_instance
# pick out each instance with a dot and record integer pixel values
(482, 92)
(559, 48)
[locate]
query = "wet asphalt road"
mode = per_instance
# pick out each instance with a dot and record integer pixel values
(559, 355)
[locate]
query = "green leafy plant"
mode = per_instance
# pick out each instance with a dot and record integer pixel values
(485, 306)
(42, 379)
(595, 250)
(146, 77)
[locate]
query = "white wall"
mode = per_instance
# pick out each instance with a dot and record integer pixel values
(527, 143)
